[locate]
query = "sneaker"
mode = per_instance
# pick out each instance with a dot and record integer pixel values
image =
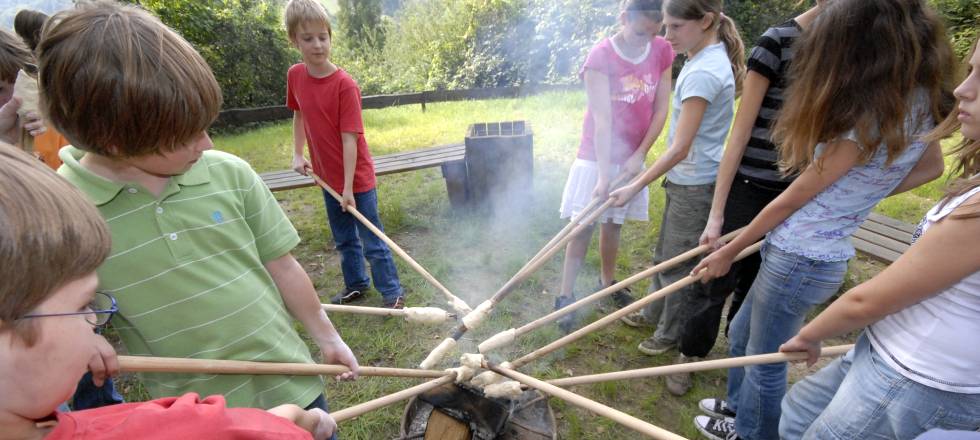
(652, 346)
(679, 384)
(397, 303)
(716, 408)
(567, 322)
(716, 429)
(622, 297)
(637, 319)
(348, 296)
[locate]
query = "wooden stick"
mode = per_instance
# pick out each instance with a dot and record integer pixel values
(716, 364)
(377, 311)
(620, 417)
(148, 364)
(453, 300)
(613, 317)
(507, 337)
(381, 402)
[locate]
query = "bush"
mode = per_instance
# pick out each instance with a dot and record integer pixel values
(753, 17)
(962, 20)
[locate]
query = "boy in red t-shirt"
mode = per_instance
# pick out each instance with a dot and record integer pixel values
(326, 104)
(52, 241)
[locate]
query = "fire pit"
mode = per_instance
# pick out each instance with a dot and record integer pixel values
(454, 412)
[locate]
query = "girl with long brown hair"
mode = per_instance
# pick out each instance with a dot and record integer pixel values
(869, 81)
(919, 313)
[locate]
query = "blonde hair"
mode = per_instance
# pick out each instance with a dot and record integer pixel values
(300, 12)
(119, 83)
(857, 68)
(14, 55)
(50, 235)
(724, 25)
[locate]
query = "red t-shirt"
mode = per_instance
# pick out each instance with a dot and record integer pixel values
(331, 106)
(183, 418)
(632, 88)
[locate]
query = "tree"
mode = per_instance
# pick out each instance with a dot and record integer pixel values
(360, 21)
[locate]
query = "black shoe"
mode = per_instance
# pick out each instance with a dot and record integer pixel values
(716, 408)
(715, 429)
(348, 296)
(397, 303)
(622, 297)
(567, 322)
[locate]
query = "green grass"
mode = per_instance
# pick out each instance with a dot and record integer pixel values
(474, 255)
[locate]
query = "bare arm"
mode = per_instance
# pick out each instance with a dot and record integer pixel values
(692, 111)
(300, 164)
(753, 91)
(839, 157)
(600, 106)
(929, 167)
(947, 252)
(660, 111)
(350, 164)
(301, 300)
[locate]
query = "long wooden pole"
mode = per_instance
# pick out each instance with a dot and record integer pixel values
(381, 402)
(590, 405)
(456, 303)
(506, 337)
(376, 311)
(613, 317)
(148, 364)
(692, 367)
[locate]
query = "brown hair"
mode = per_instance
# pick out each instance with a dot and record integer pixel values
(28, 24)
(119, 83)
(651, 9)
(967, 154)
(300, 12)
(14, 55)
(50, 234)
(857, 68)
(727, 31)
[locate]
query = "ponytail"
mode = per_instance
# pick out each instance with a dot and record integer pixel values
(728, 34)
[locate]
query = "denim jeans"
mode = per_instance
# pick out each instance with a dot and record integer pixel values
(355, 242)
(89, 396)
(787, 287)
(860, 396)
(321, 402)
(685, 215)
(699, 332)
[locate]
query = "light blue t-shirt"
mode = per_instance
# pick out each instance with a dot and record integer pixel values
(821, 230)
(708, 76)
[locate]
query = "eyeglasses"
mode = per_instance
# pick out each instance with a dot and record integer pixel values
(96, 313)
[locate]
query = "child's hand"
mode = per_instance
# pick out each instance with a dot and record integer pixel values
(103, 363)
(623, 195)
(601, 188)
(320, 424)
(716, 264)
(336, 351)
(9, 121)
(798, 343)
(301, 165)
(711, 234)
(348, 200)
(325, 426)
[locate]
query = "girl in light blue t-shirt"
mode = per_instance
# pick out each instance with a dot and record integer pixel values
(702, 107)
(851, 127)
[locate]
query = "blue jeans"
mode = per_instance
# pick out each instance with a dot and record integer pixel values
(355, 242)
(859, 396)
(89, 396)
(786, 288)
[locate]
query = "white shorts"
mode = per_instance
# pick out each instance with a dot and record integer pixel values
(578, 193)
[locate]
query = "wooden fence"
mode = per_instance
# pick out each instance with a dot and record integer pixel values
(241, 116)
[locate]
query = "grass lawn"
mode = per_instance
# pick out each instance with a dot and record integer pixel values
(475, 255)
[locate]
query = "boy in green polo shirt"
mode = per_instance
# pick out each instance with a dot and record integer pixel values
(200, 261)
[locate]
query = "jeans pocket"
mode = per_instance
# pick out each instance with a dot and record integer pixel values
(777, 264)
(813, 292)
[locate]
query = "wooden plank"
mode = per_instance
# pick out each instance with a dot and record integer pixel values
(881, 240)
(887, 231)
(888, 221)
(873, 250)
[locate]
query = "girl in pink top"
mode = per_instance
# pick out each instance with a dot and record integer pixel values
(627, 80)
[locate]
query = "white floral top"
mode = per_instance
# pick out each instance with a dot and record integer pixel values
(822, 228)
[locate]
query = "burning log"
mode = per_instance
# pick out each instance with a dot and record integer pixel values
(692, 367)
(508, 337)
(456, 303)
(150, 364)
(420, 315)
(620, 417)
(613, 317)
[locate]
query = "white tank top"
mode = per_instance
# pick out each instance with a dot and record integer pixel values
(937, 341)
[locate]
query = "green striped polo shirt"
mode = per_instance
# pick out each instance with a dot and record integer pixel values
(187, 269)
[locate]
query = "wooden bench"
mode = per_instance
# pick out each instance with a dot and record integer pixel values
(883, 237)
(443, 155)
